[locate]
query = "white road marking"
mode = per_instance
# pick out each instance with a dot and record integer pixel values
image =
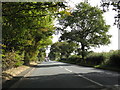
(29, 73)
(68, 70)
(16, 84)
(19, 81)
(90, 80)
(60, 66)
(84, 77)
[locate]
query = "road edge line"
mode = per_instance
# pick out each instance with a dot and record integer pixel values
(28, 72)
(16, 84)
(86, 78)
(68, 70)
(90, 80)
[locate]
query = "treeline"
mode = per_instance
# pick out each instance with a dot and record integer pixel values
(104, 59)
(27, 31)
(83, 29)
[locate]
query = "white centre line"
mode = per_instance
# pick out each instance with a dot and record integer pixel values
(90, 80)
(60, 66)
(68, 70)
(84, 77)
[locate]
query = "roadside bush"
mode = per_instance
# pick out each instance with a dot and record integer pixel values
(111, 58)
(63, 59)
(114, 59)
(19, 59)
(74, 58)
(11, 59)
(104, 59)
(95, 58)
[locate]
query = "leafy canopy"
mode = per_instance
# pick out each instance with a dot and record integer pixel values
(28, 26)
(60, 50)
(86, 27)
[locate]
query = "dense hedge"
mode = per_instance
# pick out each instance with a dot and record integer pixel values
(111, 59)
(75, 58)
(95, 58)
(114, 59)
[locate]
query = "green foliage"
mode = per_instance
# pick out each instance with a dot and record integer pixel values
(61, 50)
(28, 27)
(114, 59)
(87, 28)
(75, 58)
(12, 59)
(54, 56)
(111, 58)
(41, 55)
(95, 58)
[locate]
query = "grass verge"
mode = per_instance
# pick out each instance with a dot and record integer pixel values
(116, 69)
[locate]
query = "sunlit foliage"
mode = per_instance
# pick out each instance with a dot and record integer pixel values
(28, 27)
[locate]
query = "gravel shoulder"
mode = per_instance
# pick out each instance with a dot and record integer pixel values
(10, 76)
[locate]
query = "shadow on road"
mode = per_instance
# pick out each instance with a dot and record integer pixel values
(55, 81)
(9, 83)
(70, 80)
(56, 65)
(67, 80)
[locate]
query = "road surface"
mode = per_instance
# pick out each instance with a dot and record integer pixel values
(54, 74)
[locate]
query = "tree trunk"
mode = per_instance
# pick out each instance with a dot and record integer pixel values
(26, 62)
(26, 59)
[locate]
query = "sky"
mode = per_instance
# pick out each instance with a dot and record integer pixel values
(109, 17)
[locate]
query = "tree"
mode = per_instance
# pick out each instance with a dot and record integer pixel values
(61, 50)
(41, 54)
(116, 6)
(28, 26)
(88, 28)
(26, 19)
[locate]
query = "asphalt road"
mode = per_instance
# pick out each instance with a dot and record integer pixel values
(54, 74)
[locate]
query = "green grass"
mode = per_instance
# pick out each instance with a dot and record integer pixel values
(108, 68)
(97, 66)
(105, 60)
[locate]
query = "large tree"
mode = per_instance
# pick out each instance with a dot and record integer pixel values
(28, 26)
(86, 27)
(61, 50)
(22, 20)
